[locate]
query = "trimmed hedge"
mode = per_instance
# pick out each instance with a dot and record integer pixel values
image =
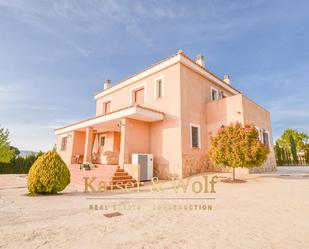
(49, 174)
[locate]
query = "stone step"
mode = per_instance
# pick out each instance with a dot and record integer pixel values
(119, 186)
(121, 173)
(124, 181)
(121, 177)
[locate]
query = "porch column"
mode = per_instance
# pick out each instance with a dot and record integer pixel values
(88, 145)
(122, 143)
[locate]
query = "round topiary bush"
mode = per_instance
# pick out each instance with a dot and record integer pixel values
(48, 175)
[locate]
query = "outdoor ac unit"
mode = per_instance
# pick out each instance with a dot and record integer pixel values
(146, 163)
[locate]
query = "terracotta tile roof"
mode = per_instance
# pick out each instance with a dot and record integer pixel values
(118, 110)
(179, 52)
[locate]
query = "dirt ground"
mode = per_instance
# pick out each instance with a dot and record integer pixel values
(268, 211)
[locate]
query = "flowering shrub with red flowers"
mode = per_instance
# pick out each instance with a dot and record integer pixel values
(238, 146)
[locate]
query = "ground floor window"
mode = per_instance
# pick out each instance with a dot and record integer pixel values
(102, 141)
(265, 138)
(195, 136)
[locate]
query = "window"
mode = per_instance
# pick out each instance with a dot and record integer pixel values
(159, 91)
(107, 107)
(223, 95)
(138, 96)
(266, 138)
(259, 132)
(102, 141)
(214, 94)
(195, 136)
(64, 142)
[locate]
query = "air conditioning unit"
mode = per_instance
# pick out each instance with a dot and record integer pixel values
(146, 163)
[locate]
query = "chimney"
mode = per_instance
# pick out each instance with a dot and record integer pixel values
(200, 60)
(227, 79)
(107, 84)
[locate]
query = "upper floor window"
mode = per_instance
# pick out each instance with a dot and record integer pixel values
(223, 95)
(138, 94)
(195, 136)
(159, 91)
(107, 107)
(214, 94)
(64, 142)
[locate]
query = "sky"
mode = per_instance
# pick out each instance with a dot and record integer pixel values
(54, 55)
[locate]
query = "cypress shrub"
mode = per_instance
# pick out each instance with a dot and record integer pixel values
(49, 174)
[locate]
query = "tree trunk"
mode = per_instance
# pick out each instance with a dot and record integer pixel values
(233, 174)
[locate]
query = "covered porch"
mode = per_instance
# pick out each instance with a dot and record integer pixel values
(109, 139)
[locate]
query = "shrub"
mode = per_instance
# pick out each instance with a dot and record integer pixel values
(237, 146)
(19, 165)
(48, 174)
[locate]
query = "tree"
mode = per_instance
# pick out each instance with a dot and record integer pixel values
(293, 150)
(300, 138)
(306, 155)
(6, 153)
(279, 154)
(237, 146)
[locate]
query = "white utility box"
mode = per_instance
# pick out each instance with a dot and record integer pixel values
(146, 163)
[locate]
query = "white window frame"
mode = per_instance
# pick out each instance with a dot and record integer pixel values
(215, 89)
(103, 103)
(133, 89)
(162, 88)
(61, 142)
(259, 131)
(199, 136)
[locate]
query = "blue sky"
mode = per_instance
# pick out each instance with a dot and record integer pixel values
(55, 54)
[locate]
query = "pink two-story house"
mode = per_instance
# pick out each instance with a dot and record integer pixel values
(169, 110)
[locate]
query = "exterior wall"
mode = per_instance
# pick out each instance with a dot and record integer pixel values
(195, 93)
(75, 145)
(239, 108)
(79, 143)
(254, 114)
(135, 138)
(112, 142)
(165, 136)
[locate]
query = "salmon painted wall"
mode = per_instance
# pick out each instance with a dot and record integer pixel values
(75, 145)
(79, 143)
(260, 117)
(165, 136)
(195, 93)
(137, 137)
(255, 114)
(239, 108)
(112, 142)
